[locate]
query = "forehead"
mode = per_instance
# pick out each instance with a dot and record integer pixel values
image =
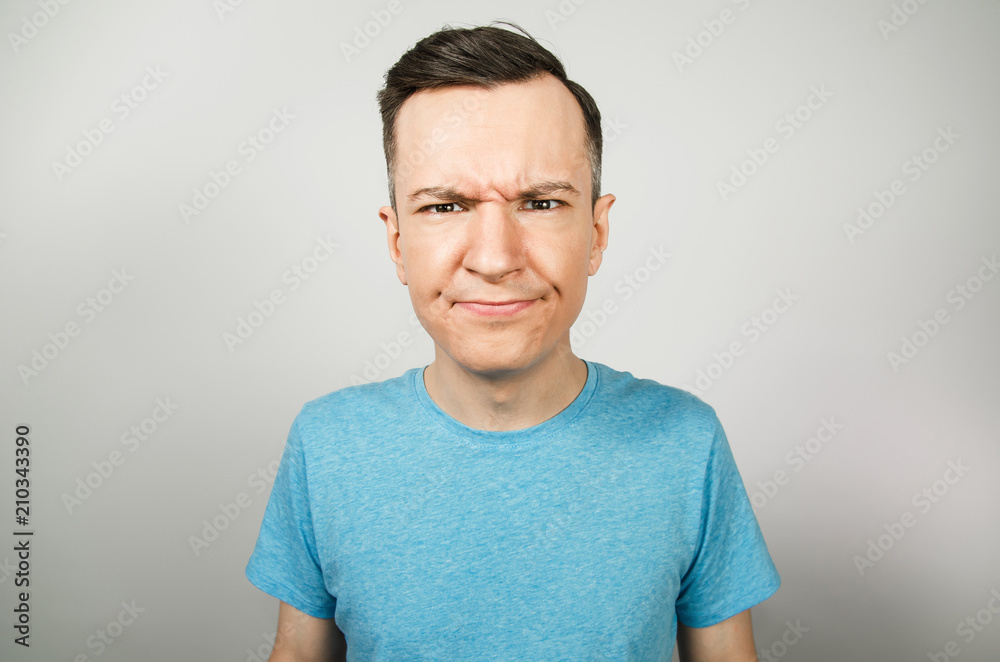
(491, 138)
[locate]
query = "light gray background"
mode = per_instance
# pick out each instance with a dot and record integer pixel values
(673, 133)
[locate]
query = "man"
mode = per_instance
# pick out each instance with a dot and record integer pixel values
(509, 501)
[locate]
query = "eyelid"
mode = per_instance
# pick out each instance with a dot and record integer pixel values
(438, 204)
(560, 203)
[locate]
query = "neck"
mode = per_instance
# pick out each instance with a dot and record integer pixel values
(516, 400)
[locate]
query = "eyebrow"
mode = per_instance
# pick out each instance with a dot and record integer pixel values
(533, 192)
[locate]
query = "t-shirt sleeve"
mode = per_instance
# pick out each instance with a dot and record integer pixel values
(284, 562)
(732, 569)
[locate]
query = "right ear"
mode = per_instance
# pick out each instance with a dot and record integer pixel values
(388, 215)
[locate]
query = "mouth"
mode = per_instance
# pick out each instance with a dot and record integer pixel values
(494, 308)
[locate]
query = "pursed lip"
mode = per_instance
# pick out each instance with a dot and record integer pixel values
(492, 308)
(496, 303)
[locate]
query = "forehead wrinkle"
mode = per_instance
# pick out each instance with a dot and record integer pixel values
(533, 190)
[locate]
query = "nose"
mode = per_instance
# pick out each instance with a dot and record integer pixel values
(494, 245)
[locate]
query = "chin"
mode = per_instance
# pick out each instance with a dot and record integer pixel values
(492, 360)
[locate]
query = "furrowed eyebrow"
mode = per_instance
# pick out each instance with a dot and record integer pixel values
(548, 188)
(438, 192)
(533, 192)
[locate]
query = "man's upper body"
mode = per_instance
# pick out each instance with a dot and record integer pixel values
(495, 225)
(587, 536)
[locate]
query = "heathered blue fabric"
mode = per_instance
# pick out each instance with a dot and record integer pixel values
(584, 537)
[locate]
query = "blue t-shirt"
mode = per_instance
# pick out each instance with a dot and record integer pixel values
(585, 537)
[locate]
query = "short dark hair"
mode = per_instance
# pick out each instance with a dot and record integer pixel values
(486, 57)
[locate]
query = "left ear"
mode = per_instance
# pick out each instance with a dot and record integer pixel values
(599, 236)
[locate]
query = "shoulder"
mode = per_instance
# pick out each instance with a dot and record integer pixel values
(355, 408)
(642, 396)
(655, 418)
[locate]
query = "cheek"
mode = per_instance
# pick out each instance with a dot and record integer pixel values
(568, 275)
(421, 252)
(566, 257)
(430, 262)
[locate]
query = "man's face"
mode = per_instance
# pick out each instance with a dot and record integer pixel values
(493, 200)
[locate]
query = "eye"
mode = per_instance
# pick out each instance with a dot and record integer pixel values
(543, 205)
(441, 208)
